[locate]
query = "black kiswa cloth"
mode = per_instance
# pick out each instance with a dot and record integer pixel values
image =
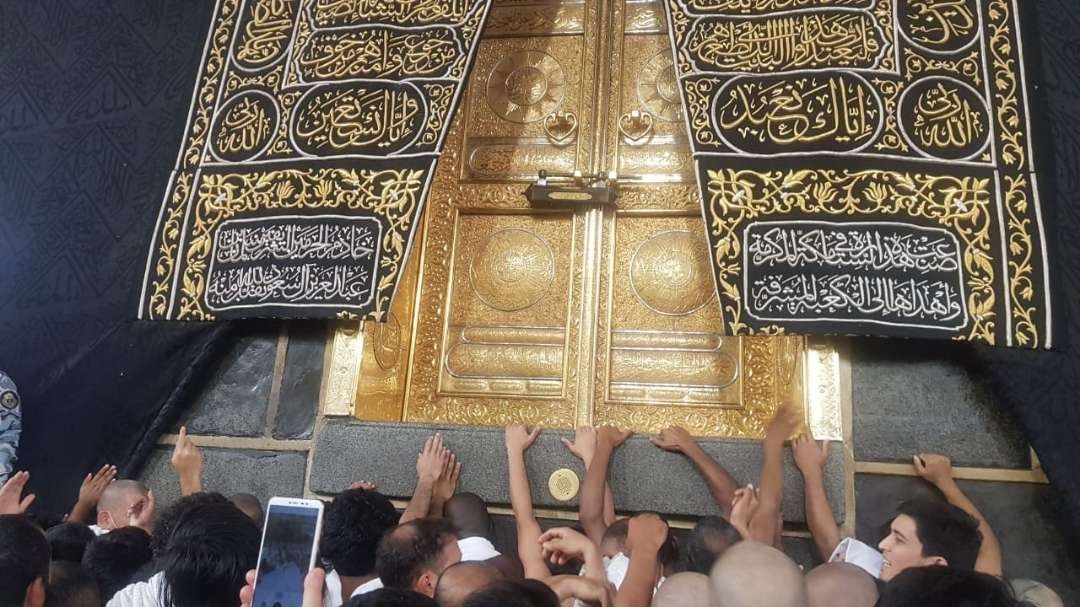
(1042, 388)
(94, 103)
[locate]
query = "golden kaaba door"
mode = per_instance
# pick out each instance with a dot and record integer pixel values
(582, 315)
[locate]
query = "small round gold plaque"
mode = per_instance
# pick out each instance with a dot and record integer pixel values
(564, 484)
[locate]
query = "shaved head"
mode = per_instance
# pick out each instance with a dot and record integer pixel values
(750, 574)
(461, 580)
(840, 585)
(469, 515)
(687, 589)
(115, 501)
(249, 505)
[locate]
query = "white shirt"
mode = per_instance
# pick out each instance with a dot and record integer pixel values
(477, 549)
(851, 550)
(332, 596)
(140, 594)
(98, 530)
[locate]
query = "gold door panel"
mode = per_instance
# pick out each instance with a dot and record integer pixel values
(509, 313)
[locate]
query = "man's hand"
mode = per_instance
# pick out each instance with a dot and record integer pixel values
(561, 544)
(612, 436)
(674, 439)
(584, 445)
(95, 484)
(90, 494)
(447, 483)
(431, 461)
(11, 499)
(647, 532)
(187, 460)
(586, 590)
(743, 509)
(365, 485)
(933, 467)
(782, 425)
(519, 438)
(313, 588)
(141, 513)
(810, 455)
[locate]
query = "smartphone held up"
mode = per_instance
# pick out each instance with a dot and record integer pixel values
(290, 543)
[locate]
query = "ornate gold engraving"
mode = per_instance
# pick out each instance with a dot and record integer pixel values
(513, 270)
(564, 484)
(671, 274)
(526, 86)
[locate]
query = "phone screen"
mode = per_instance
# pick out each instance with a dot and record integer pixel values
(288, 540)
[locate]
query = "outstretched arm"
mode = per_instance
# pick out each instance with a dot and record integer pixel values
(721, 484)
(518, 440)
(584, 447)
(810, 457)
(429, 464)
(90, 493)
(646, 535)
(187, 460)
(764, 525)
(592, 493)
(938, 470)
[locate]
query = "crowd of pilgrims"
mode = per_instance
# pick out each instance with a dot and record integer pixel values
(118, 548)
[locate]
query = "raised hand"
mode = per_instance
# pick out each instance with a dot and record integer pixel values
(743, 508)
(519, 438)
(90, 494)
(365, 485)
(431, 460)
(11, 494)
(674, 439)
(933, 467)
(141, 513)
(584, 444)
(647, 532)
(585, 590)
(782, 425)
(561, 544)
(810, 455)
(187, 460)
(612, 436)
(447, 483)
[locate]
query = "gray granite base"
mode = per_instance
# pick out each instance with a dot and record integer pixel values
(262, 473)
(642, 476)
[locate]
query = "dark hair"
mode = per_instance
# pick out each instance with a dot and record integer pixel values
(114, 558)
(410, 548)
(945, 587)
(24, 557)
(710, 538)
(71, 585)
(391, 597)
(514, 593)
(944, 530)
(177, 512)
(617, 531)
(68, 541)
(352, 526)
(208, 552)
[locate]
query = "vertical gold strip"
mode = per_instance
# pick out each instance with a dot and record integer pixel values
(341, 369)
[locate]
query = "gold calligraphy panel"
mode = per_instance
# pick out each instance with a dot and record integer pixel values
(865, 166)
(314, 132)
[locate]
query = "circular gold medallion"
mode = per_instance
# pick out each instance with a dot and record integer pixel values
(671, 273)
(658, 88)
(526, 86)
(564, 484)
(512, 270)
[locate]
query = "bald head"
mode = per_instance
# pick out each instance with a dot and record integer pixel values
(687, 589)
(750, 574)
(840, 585)
(249, 505)
(463, 579)
(469, 515)
(116, 500)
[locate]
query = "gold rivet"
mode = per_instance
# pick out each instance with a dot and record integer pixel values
(564, 484)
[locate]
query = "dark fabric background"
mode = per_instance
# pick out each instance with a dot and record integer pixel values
(94, 96)
(1043, 389)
